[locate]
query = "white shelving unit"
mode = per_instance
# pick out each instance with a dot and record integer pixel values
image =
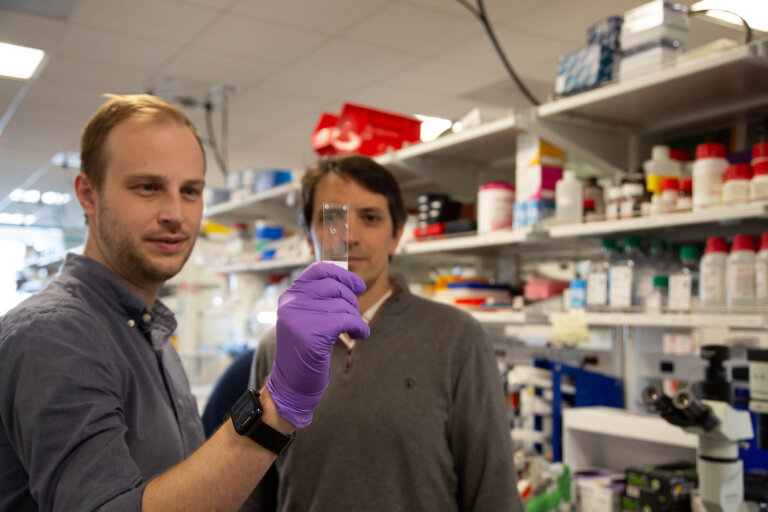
(613, 438)
(470, 242)
(678, 320)
(275, 203)
(264, 266)
(715, 215)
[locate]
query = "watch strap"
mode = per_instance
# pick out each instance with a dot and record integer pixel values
(268, 437)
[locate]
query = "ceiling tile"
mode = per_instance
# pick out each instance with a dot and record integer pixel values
(29, 30)
(156, 19)
(321, 17)
(49, 127)
(218, 5)
(412, 29)
(118, 50)
(338, 69)
(214, 67)
(247, 37)
(441, 78)
(497, 10)
(403, 101)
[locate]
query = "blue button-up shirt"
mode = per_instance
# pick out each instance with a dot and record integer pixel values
(94, 401)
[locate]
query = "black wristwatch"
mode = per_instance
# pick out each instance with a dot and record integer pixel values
(246, 417)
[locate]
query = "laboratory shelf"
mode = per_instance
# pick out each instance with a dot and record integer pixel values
(482, 145)
(269, 204)
(620, 423)
(680, 320)
(263, 266)
(684, 92)
(710, 216)
(464, 243)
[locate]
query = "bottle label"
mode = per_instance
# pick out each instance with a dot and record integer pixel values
(597, 289)
(712, 286)
(621, 287)
(741, 282)
(761, 281)
(680, 291)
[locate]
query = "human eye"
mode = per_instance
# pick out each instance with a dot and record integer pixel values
(371, 218)
(192, 192)
(146, 188)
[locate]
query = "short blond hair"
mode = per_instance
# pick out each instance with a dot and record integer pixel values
(143, 108)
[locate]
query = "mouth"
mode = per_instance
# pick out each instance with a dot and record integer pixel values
(168, 244)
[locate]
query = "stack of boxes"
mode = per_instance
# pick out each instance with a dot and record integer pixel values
(538, 166)
(664, 488)
(438, 214)
(652, 34)
(593, 65)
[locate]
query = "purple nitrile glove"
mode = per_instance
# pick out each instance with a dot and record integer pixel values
(319, 306)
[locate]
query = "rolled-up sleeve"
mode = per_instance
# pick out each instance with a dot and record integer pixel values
(62, 414)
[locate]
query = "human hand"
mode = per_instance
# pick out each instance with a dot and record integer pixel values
(319, 306)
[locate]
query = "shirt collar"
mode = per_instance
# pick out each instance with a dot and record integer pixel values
(116, 294)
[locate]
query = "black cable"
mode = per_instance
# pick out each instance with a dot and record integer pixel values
(212, 139)
(481, 15)
(747, 28)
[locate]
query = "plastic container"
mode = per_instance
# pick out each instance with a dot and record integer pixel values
(761, 272)
(631, 200)
(495, 206)
(758, 185)
(597, 277)
(759, 153)
(657, 299)
(708, 172)
(578, 293)
(736, 184)
(685, 195)
(712, 285)
(684, 285)
(740, 272)
(569, 198)
(595, 192)
(613, 207)
(683, 156)
(660, 166)
(626, 277)
(670, 191)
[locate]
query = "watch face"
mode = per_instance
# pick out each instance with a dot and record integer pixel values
(245, 410)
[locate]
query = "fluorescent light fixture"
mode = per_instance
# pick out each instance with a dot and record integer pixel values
(432, 127)
(754, 11)
(19, 61)
(17, 219)
(55, 198)
(68, 159)
(25, 196)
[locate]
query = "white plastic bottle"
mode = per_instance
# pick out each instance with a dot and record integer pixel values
(761, 272)
(670, 190)
(629, 277)
(613, 207)
(758, 186)
(597, 277)
(660, 166)
(569, 198)
(736, 184)
(708, 172)
(740, 273)
(712, 269)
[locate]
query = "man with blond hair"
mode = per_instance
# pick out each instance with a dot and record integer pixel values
(96, 412)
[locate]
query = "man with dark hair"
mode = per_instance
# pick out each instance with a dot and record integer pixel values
(414, 417)
(96, 413)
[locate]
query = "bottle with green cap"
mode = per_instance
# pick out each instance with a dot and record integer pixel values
(684, 285)
(658, 297)
(597, 276)
(628, 277)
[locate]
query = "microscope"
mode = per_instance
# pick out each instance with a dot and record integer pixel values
(719, 426)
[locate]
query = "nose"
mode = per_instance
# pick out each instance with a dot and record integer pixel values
(171, 213)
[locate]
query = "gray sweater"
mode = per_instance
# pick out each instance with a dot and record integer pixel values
(414, 419)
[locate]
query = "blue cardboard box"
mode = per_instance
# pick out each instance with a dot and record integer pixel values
(606, 32)
(584, 69)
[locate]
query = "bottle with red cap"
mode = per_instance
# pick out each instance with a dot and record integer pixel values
(708, 172)
(740, 272)
(670, 189)
(712, 270)
(736, 184)
(761, 272)
(685, 195)
(759, 153)
(758, 186)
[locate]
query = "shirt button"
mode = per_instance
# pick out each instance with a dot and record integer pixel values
(146, 317)
(131, 323)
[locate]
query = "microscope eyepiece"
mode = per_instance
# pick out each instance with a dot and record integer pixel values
(697, 413)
